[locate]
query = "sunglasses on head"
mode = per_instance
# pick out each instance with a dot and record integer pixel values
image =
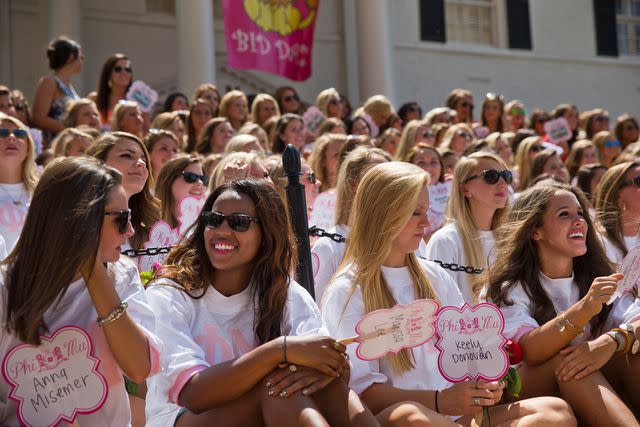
(18, 133)
(535, 148)
(123, 218)
(633, 181)
(191, 178)
(312, 178)
(290, 98)
(611, 144)
(237, 222)
(119, 69)
(492, 176)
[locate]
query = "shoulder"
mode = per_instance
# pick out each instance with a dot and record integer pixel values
(47, 83)
(448, 233)
(297, 294)
(166, 291)
(339, 289)
(445, 287)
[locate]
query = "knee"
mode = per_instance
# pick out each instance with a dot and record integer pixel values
(412, 414)
(555, 411)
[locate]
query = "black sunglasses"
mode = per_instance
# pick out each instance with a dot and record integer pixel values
(119, 69)
(334, 101)
(290, 98)
(237, 222)
(18, 133)
(123, 218)
(535, 148)
(312, 178)
(634, 181)
(492, 176)
(190, 178)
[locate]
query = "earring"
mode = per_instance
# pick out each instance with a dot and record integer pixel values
(109, 84)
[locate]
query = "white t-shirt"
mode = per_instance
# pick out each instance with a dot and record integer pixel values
(613, 253)
(199, 333)
(76, 309)
(563, 293)
(14, 204)
(446, 245)
(341, 323)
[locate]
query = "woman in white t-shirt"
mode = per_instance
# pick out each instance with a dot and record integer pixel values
(380, 270)
(18, 177)
(327, 253)
(475, 209)
(552, 281)
(242, 336)
(65, 278)
(617, 204)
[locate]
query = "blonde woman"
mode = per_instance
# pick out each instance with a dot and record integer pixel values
(237, 166)
(380, 270)
(379, 108)
(162, 146)
(475, 209)
(235, 107)
(254, 129)
(263, 108)
(457, 138)
(527, 151)
(501, 147)
(328, 101)
(607, 147)
(326, 254)
(127, 117)
(325, 159)
(71, 142)
(172, 122)
(331, 125)
(243, 142)
(210, 93)
(389, 141)
(414, 132)
(82, 112)
(617, 203)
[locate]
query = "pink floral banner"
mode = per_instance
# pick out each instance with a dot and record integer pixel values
(275, 36)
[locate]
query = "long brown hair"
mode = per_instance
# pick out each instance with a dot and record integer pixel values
(188, 264)
(68, 208)
(168, 174)
(104, 90)
(515, 248)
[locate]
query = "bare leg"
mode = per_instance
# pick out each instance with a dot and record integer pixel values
(622, 372)
(342, 406)
(412, 414)
(541, 411)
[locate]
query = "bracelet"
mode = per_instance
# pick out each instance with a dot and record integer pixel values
(614, 336)
(437, 410)
(563, 321)
(114, 315)
(627, 339)
(284, 349)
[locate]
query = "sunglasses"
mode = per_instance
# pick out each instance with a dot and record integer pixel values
(191, 178)
(334, 101)
(611, 144)
(312, 178)
(601, 118)
(123, 218)
(427, 134)
(465, 104)
(535, 148)
(517, 112)
(492, 176)
(464, 134)
(237, 222)
(18, 133)
(290, 98)
(119, 69)
(634, 181)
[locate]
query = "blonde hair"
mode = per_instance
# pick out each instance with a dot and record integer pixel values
(327, 126)
(385, 201)
(599, 139)
(353, 167)
(435, 112)
(378, 107)
(60, 144)
(28, 175)
(493, 138)
(322, 101)
(218, 178)
(317, 158)
(451, 133)
(227, 99)
(260, 99)
(523, 163)
(72, 110)
(119, 111)
(408, 139)
(251, 128)
(239, 143)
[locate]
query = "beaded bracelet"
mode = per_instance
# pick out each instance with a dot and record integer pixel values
(114, 315)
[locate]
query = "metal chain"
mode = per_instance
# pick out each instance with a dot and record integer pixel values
(319, 232)
(134, 253)
(455, 267)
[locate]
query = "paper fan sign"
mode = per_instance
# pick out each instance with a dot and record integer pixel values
(312, 119)
(144, 95)
(161, 235)
(558, 130)
(55, 381)
(630, 266)
(190, 208)
(390, 330)
(471, 343)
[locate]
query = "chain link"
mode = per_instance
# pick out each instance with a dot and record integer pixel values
(319, 232)
(456, 267)
(134, 253)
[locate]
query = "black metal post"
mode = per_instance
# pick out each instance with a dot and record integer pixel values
(298, 214)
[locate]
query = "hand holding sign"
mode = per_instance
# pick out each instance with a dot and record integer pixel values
(55, 381)
(630, 267)
(143, 94)
(391, 330)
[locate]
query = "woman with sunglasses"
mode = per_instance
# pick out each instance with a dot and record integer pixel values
(115, 79)
(552, 280)
(607, 147)
(617, 204)
(241, 340)
(457, 138)
(515, 115)
(461, 101)
(328, 102)
(380, 270)
(626, 130)
(288, 100)
(416, 131)
(18, 177)
(76, 278)
(475, 210)
(180, 177)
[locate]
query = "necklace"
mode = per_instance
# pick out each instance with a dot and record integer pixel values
(15, 202)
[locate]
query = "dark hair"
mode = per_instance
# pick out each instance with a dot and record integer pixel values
(277, 145)
(189, 266)
(521, 135)
(514, 247)
(102, 97)
(585, 175)
(279, 95)
(406, 108)
(192, 138)
(540, 161)
(361, 118)
(59, 51)
(166, 108)
(39, 270)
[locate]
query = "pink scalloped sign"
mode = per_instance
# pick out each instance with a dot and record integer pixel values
(190, 208)
(471, 343)
(57, 380)
(389, 330)
(630, 267)
(161, 235)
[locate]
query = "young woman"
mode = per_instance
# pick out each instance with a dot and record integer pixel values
(626, 130)
(181, 176)
(607, 147)
(360, 126)
(499, 144)
(200, 113)
(127, 117)
(53, 91)
(492, 113)
(475, 209)
(253, 129)
(234, 106)
(264, 107)
(115, 79)
(461, 101)
(457, 138)
(326, 254)
(18, 177)
(82, 112)
(515, 115)
(548, 162)
(289, 130)
(331, 125)
(77, 278)
(308, 178)
(172, 122)
(588, 180)
(238, 165)
(582, 153)
(617, 204)
(414, 132)
(162, 146)
(288, 100)
(325, 159)
(552, 280)
(328, 102)
(243, 142)
(214, 136)
(380, 270)
(126, 153)
(71, 142)
(241, 340)
(526, 152)
(210, 93)
(175, 101)
(388, 141)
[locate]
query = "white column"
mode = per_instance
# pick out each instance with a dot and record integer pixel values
(196, 47)
(374, 49)
(64, 20)
(351, 51)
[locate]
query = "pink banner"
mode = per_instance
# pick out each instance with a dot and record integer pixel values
(271, 36)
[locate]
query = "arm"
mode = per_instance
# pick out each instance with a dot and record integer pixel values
(45, 95)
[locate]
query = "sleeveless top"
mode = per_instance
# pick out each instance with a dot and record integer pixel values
(57, 109)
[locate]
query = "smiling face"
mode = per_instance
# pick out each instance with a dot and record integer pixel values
(128, 158)
(563, 233)
(121, 73)
(180, 188)
(220, 136)
(492, 110)
(266, 110)
(237, 109)
(229, 249)
(359, 127)
(409, 238)
(629, 195)
(111, 240)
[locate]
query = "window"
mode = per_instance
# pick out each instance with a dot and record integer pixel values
(628, 26)
(471, 21)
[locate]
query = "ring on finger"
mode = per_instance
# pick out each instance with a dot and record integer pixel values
(476, 401)
(293, 368)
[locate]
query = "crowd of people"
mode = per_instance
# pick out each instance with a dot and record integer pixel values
(444, 204)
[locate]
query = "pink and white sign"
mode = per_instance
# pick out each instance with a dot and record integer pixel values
(471, 343)
(161, 235)
(323, 213)
(312, 119)
(558, 130)
(144, 95)
(630, 266)
(390, 330)
(190, 208)
(275, 37)
(57, 380)
(438, 197)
